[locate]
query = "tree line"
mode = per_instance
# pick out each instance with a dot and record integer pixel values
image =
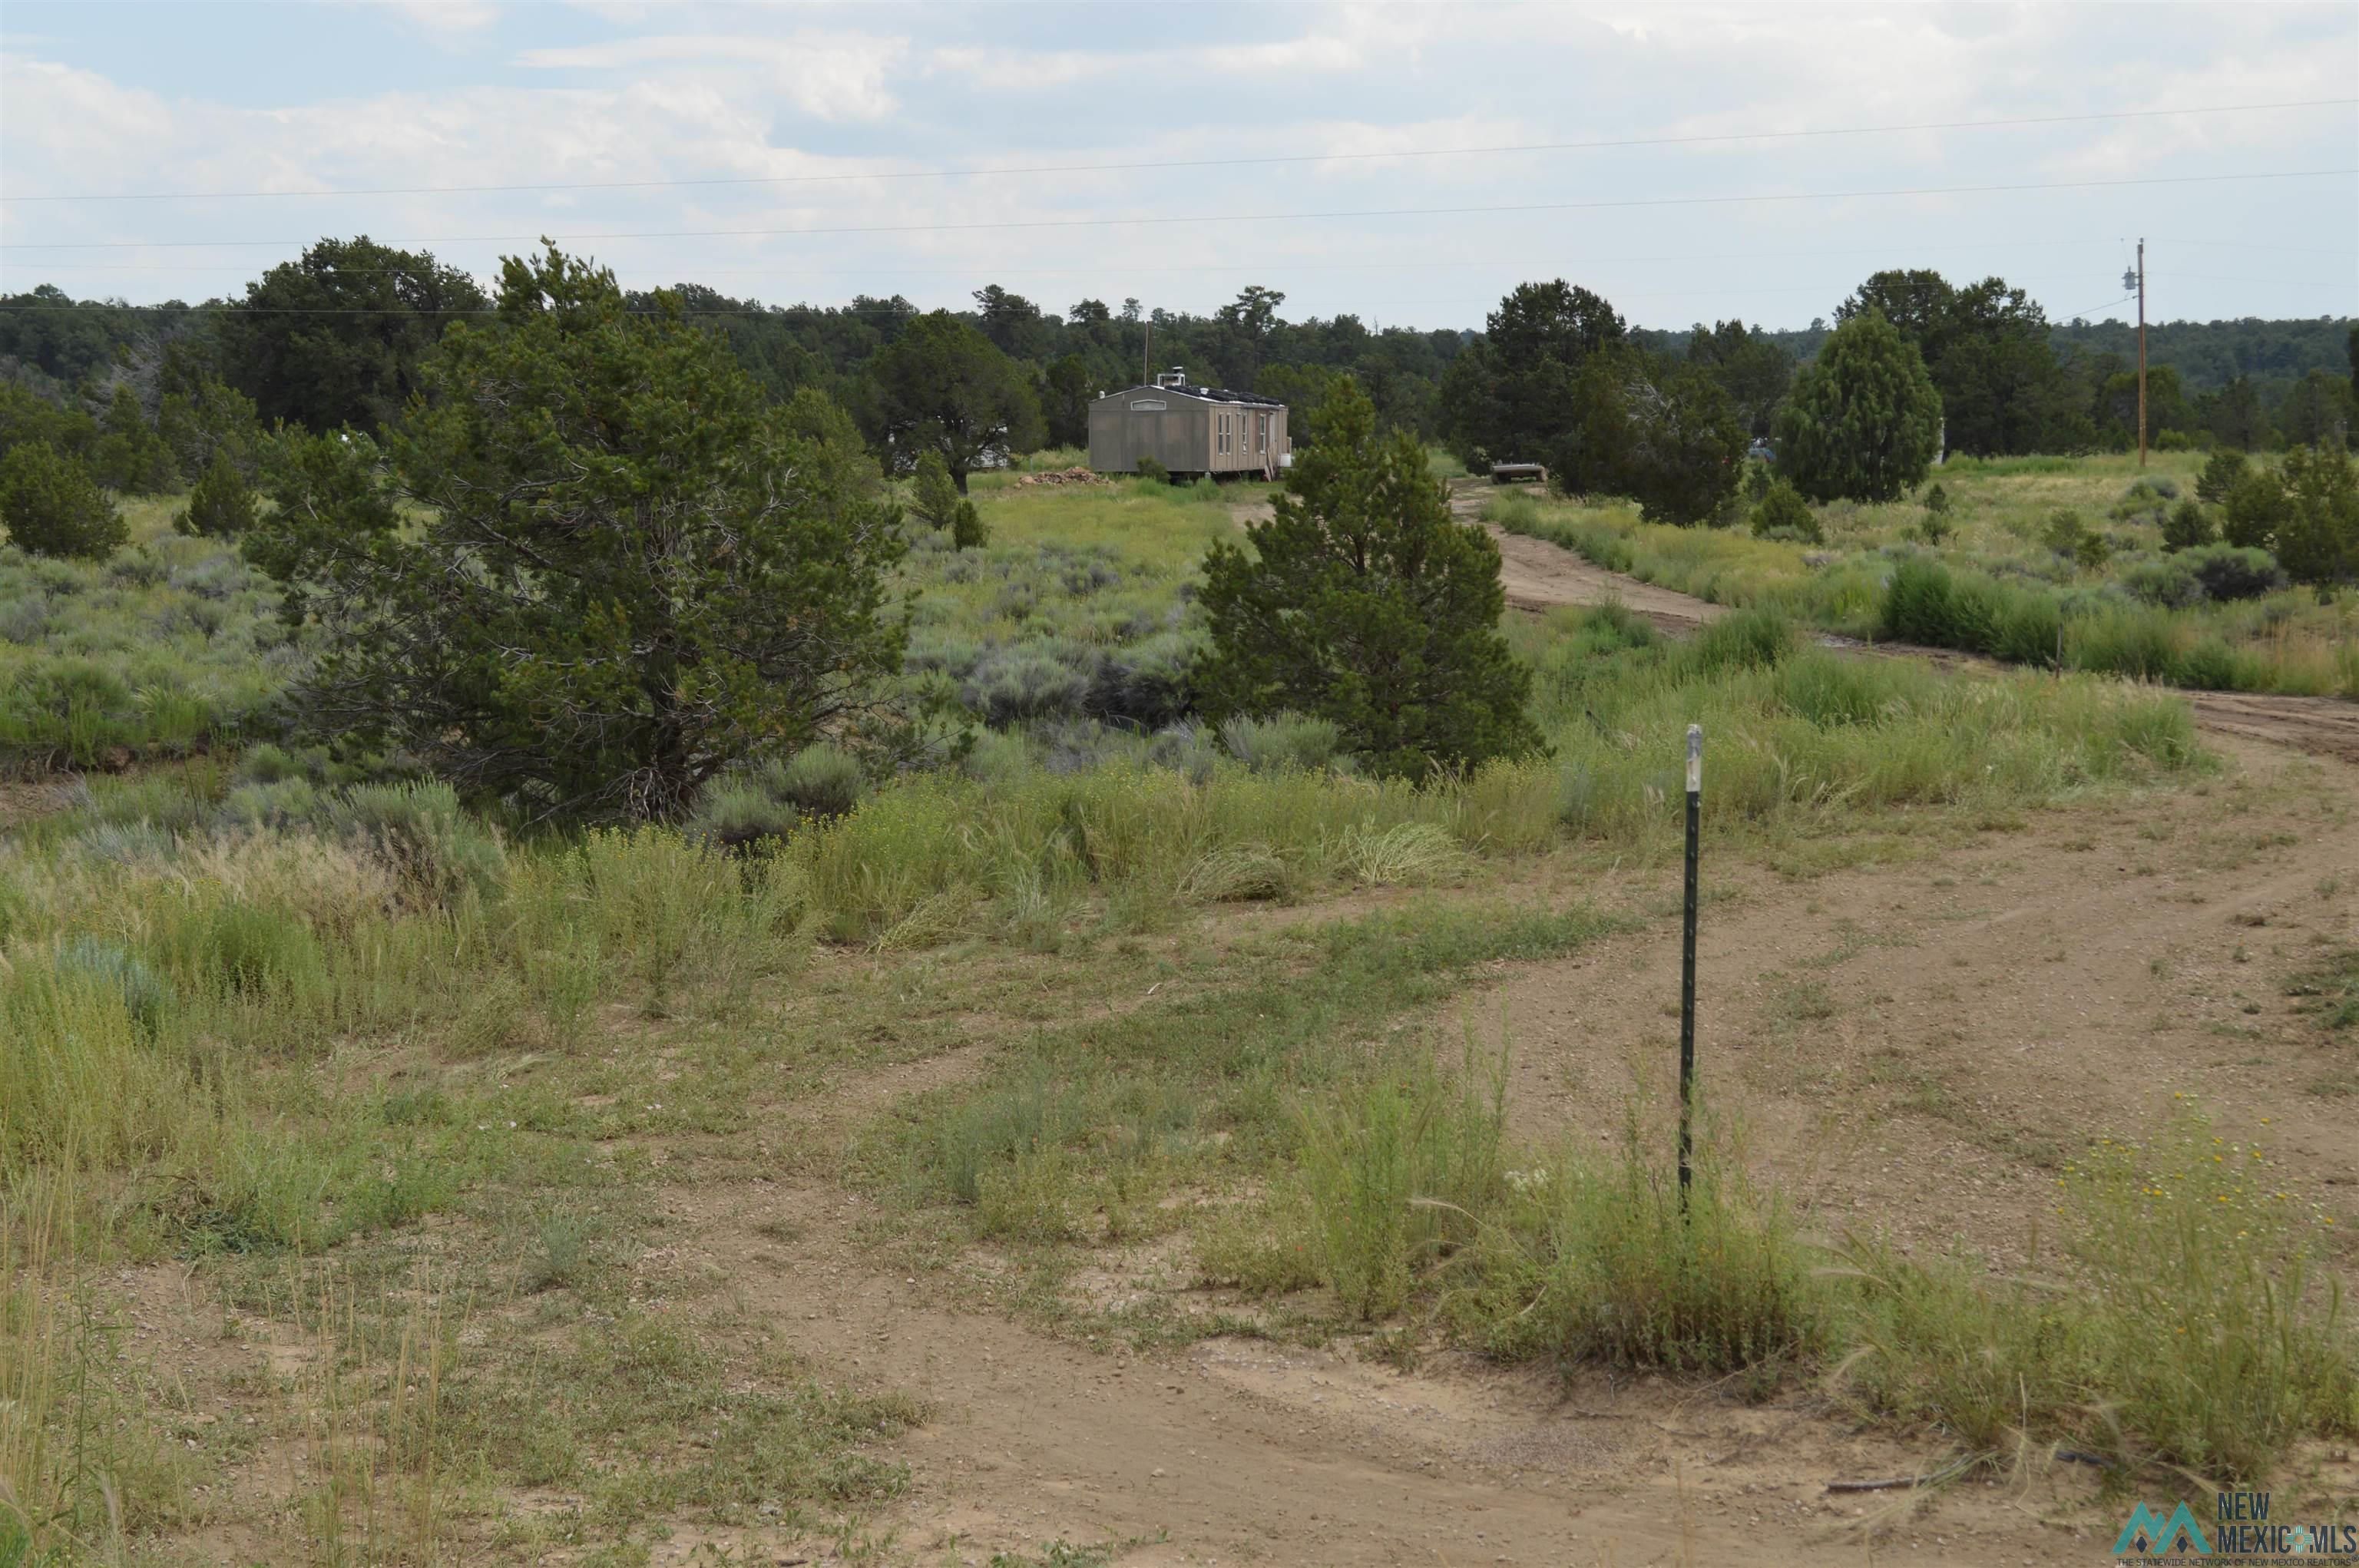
(336, 337)
(136, 400)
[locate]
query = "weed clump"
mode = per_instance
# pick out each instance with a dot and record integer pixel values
(1396, 1171)
(1605, 1260)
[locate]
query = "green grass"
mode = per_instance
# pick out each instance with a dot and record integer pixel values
(1791, 732)
(2190, 1324)
(2190, 1328)
(604, 1416)
(171, 912)
(1076, 614)
(169, 648)
(1991, 585)
(1581, 1260)
(1205, 1088)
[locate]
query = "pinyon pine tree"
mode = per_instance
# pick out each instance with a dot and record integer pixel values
(624, 572)
(1362, 602)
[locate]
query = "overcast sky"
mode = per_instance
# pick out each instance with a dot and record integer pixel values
(212, 98)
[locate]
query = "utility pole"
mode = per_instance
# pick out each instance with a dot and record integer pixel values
(2141, 351)
(1146, 364)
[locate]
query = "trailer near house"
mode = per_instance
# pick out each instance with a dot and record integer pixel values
(1189, 430)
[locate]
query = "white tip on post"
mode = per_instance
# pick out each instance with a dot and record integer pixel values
(1695, 759)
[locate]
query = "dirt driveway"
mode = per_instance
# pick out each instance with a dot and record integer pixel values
(1540, 576)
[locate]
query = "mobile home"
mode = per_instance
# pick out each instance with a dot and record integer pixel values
(1189, 430)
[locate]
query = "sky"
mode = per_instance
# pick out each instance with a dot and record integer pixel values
(1330, 144)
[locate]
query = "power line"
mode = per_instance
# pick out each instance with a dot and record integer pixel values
(2079, 315)
(1244, 217)
(996, 269)
(1138, 165)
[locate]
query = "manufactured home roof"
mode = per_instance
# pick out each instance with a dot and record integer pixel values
(1203, 394)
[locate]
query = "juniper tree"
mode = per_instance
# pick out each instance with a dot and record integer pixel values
(1783, 514)
(2220, 472)
(1863, 418)
(2318, 538)
(1362, 602)
(2189, 526)
(593, 567)
(129, 455)
(339, 337)
(941, 386)
(932, 497)
(51, 505)
(220, 504)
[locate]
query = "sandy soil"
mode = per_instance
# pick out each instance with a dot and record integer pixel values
(1241, 1450)
(2042, 984)
(1917, 1046)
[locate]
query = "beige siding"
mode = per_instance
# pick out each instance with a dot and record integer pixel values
(1177, 435)
(1187, 435)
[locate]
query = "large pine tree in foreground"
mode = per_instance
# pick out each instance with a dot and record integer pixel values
(1362, 602)
(594, 567)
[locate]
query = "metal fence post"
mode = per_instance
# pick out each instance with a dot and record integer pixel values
(1688, 963)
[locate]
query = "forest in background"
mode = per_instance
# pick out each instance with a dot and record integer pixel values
(328, 341)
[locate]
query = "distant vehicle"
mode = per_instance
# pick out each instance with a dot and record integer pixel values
(1762, 450)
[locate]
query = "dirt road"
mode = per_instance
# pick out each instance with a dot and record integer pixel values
(1241, 1450)
(1540, 576)
(2322, 726)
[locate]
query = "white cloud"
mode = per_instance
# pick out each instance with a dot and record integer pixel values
(830, 76)
(709, 98)
(448, 17)
(997, 68)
